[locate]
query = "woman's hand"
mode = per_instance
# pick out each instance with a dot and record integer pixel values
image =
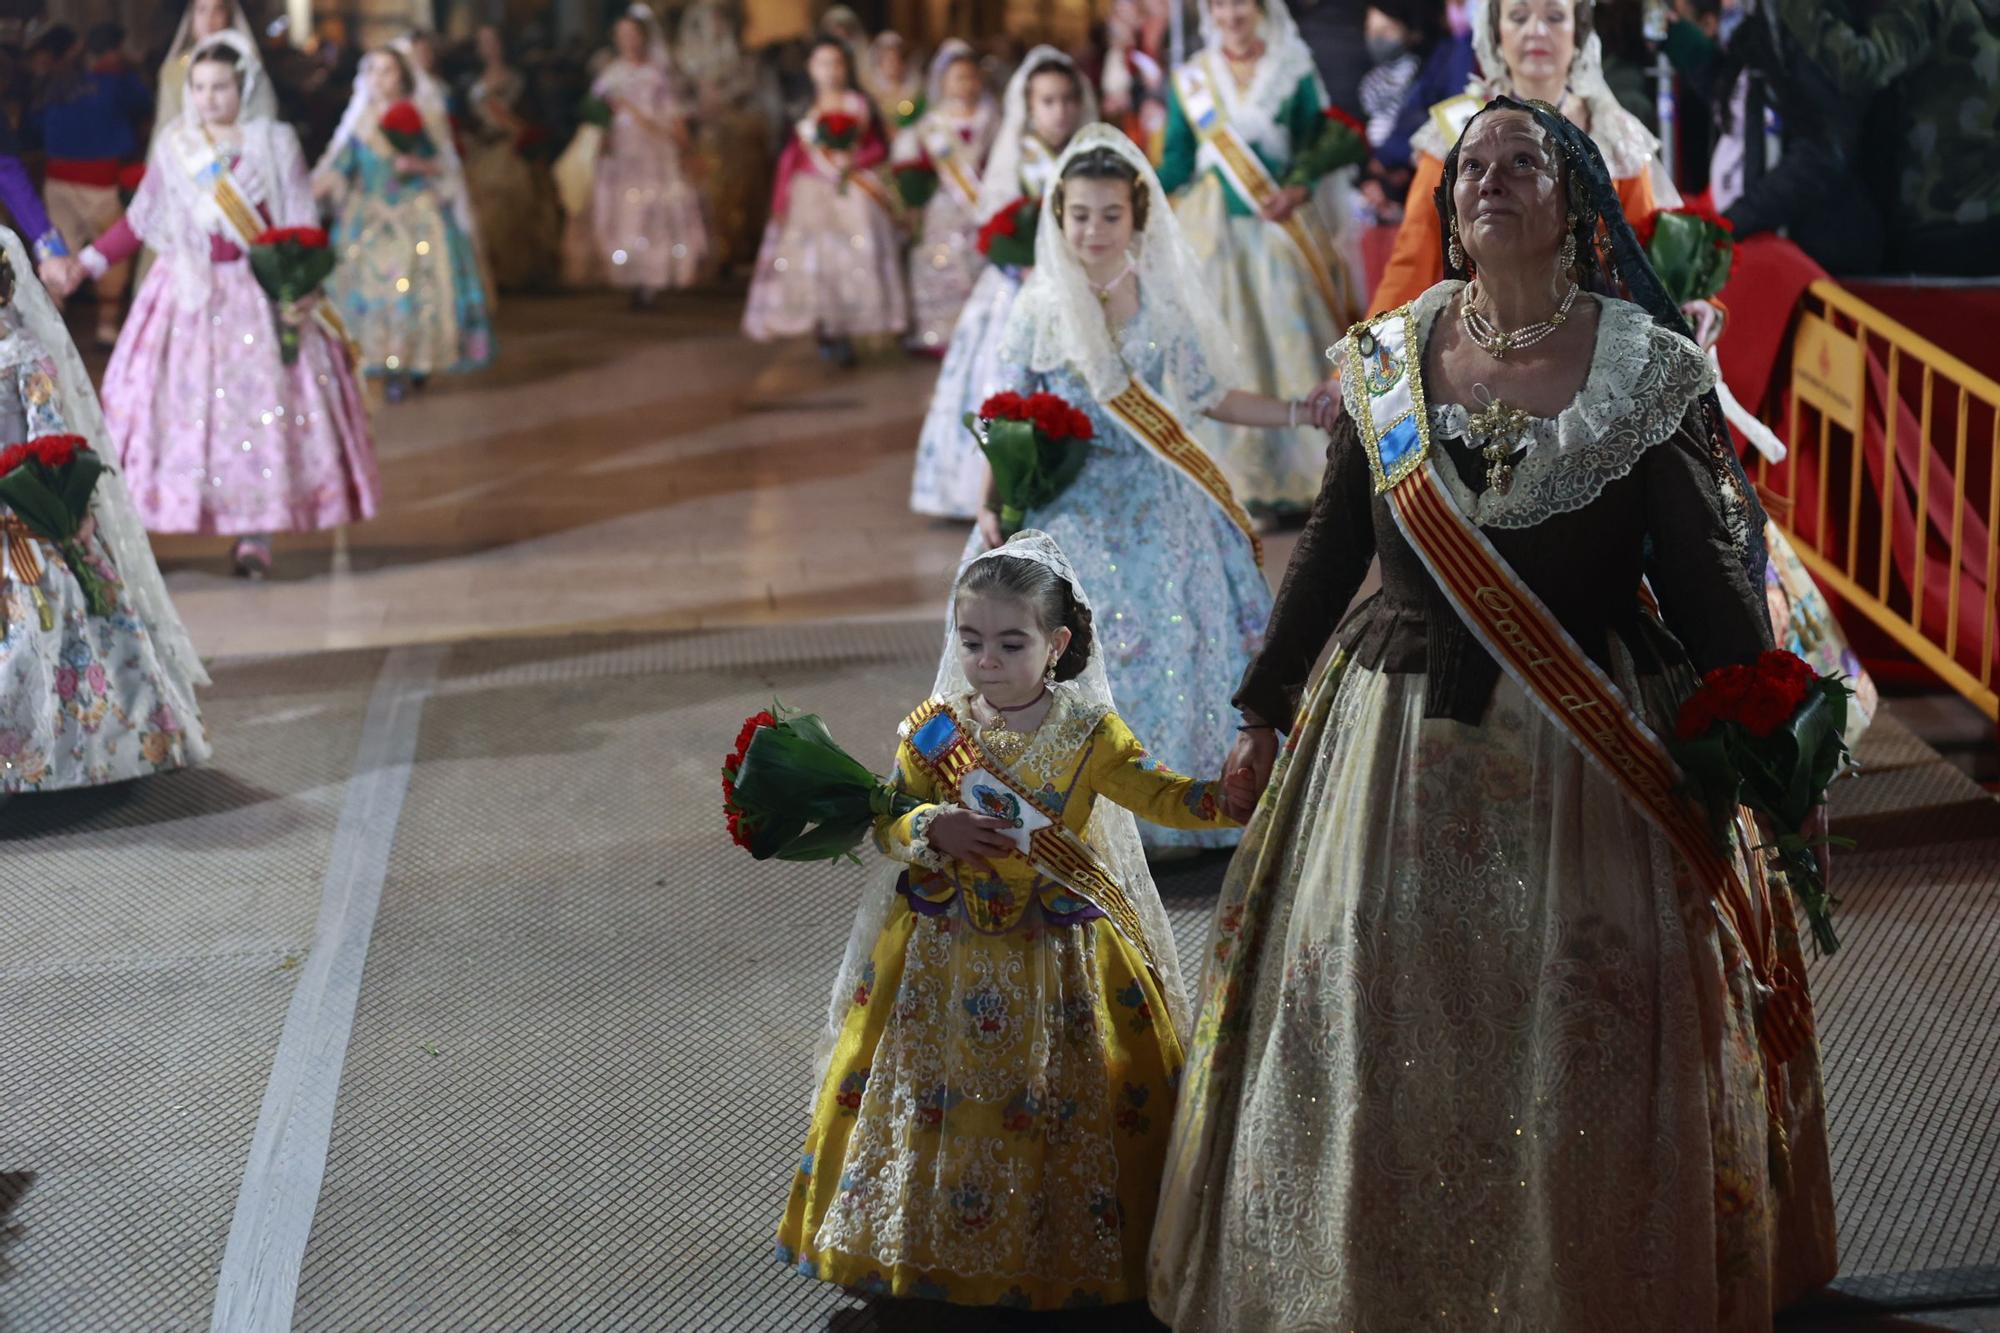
(409, 164)
(974, 839)
(1284, 203)
(1247, 770)
(1323, 405)
(989, 527)
(296, 313)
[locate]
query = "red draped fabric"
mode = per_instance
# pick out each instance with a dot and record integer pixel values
(1763, 295)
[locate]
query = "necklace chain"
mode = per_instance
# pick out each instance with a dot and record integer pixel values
(1103, 294)
(1495, 341)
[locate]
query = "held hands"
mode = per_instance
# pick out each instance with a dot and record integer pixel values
(1247, 771)
(973, 839)
(61, 274)
(1323, 405)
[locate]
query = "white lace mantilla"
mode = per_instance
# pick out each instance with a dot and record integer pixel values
(1642, 380)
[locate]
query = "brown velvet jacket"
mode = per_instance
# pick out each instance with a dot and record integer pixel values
(1663, 519)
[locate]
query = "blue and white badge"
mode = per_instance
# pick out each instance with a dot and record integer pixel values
(1385, 396)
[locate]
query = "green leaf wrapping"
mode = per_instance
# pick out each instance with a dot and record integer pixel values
(1691, 254)
(1029, 469)
(53, 503)
(1783, 777)
(289, 273)
(916, 185)
(1335, 146)
(805, 798)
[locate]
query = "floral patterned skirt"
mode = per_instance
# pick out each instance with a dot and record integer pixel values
(1472, 1051)
(82, 701)
(992, 1124)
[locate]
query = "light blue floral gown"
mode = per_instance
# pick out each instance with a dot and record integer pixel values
(1179, 600)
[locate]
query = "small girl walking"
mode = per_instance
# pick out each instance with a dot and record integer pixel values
(997, 1072)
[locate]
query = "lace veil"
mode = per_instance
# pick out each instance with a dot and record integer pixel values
(1286, 60)
(1058, 321)
(260, 99)
(428, 95)
(118, 523)
(1113, 832)
(1001, 183)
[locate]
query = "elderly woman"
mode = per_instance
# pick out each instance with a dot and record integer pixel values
(1485, 1037)
(1537, 50)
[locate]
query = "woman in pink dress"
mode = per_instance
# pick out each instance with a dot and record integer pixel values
(650, 233)
(830, 265)
(215, 432)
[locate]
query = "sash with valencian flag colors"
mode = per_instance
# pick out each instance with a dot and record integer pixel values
(1247, 174)
(1383, 390)
(959, 766)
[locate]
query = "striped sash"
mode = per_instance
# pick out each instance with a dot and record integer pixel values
(955, 761)
(1140, 410)
(1249, 177)
(1506, 616)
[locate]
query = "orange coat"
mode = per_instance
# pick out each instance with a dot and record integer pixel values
(1417, 262)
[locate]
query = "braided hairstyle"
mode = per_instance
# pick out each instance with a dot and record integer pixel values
(1613, 263)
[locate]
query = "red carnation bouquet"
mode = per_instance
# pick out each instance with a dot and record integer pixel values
(403, 127)
(789, 791)
(1035, 445)
(837, 132)
(1008, 238)
(1691, 248)
(1768, 736)
(1342, 141)
(290, 263)
(47, 482)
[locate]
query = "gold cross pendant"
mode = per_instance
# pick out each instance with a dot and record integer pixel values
(1501, 427)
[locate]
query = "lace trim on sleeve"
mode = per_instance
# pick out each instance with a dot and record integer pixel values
(920, 852)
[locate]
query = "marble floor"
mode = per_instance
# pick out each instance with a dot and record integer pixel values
(617, 470)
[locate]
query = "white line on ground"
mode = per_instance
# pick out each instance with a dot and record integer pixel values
(259, 1281)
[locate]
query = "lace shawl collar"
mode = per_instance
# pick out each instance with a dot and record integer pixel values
(1641, 382)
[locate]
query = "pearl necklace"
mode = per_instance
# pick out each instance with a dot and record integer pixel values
(1496, 342)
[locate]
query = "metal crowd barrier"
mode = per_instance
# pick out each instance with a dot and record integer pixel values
(1891, 488)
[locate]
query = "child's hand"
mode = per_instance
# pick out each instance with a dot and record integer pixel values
(965, 836)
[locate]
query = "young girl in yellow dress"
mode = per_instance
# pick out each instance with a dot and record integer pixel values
(998, 1069)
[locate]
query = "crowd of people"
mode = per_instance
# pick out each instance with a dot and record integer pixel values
(1461, 976)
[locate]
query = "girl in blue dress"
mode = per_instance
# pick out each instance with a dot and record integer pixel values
(1114, 320)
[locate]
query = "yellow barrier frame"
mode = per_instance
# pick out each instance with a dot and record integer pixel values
(1837, 561)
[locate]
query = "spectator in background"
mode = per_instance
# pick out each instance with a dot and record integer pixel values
(1814, 192)
(1336, 33)
(88, 116)
(1419, 62)
(1940, 62)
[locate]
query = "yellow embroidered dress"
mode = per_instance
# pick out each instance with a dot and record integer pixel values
(991, 1127)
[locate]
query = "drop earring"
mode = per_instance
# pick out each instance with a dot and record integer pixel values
(1566, 259)
(1456, 252)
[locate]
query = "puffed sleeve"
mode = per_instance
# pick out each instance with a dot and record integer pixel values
(1120, 770)
(905, 838)
(1707, 597)
(1328, 565)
